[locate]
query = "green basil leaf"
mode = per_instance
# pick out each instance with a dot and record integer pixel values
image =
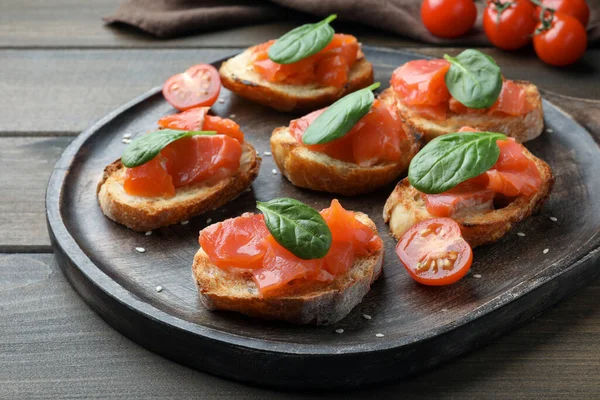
(297, 227)
(146, 147)
(340, 117)
(474, 79)
(302, 42)
(451, 159)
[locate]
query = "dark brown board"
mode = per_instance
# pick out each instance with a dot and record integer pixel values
(423, 326)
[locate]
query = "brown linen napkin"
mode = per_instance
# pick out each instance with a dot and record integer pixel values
(170, 18)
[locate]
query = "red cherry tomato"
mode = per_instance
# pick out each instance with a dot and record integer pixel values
(560, 39)
(448, 18)
(509, 24)
(434, 252)
(198, 86)
(575, 8)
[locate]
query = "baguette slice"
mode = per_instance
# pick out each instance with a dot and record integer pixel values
(317, 171)
(145, 214)
(405, 207)
(522, 128)
(299, 302)
(238, 76)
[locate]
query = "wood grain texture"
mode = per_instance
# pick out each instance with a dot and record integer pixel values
(66, 23)
(25, 165)
(70, 89)
(53, 346)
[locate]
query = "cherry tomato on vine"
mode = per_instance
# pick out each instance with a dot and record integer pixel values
(559, 39)
(197, 86)
(434, 252)
(448, 18)
(575, 8)
(509, 24)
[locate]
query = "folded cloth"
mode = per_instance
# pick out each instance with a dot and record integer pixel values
(170, 18)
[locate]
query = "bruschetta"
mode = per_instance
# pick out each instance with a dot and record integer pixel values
(190, 175)
(373, 153)
(242, 267)
(426, 105)
(315, 81)
(486, 206)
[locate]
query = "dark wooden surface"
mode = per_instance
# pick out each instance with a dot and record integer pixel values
(55, 80)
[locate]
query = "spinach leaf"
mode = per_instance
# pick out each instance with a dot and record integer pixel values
(474, 79)
(302, 42)
(340, 117)
(146, 147)
(451, 159)
(297, 227)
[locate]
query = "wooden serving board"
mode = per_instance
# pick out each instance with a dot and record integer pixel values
(510, 282)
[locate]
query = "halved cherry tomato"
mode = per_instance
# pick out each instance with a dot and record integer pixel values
(575, 8)
(198, 86)
(448, 18)
(509, 24)
(560, 39)
(434, 252)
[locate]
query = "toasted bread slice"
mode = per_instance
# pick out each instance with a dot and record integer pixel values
(238, 76)
(145, 214)
(299, 302)
(522, 128)
(405, 207)
(317, 171)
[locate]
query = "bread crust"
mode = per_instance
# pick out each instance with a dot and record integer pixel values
(145, 214)
(522, 128)
(405, 207)
(299, 302)
(238, 76)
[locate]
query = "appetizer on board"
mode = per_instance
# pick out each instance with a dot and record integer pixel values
(196, 163)
(484, 181)
(355, 146)
(290, 263)
(439, 96)
(307, 68)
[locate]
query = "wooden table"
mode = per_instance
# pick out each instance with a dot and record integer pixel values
(60, 70)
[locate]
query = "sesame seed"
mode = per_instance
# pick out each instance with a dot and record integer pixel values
(339, 330)
(274, 171)
(379, 335)
(140, 249)
(520, 234)
(184, 222)
(148, 233)
(231, 115)
(126, 141)
(221, 101)
(549, 130)
(159, 288)
(366, 316)
(546, 251)
(444, 309)
(127, 136)
(477, 276)
(553, 219)
(208, 220)
(267, 153)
